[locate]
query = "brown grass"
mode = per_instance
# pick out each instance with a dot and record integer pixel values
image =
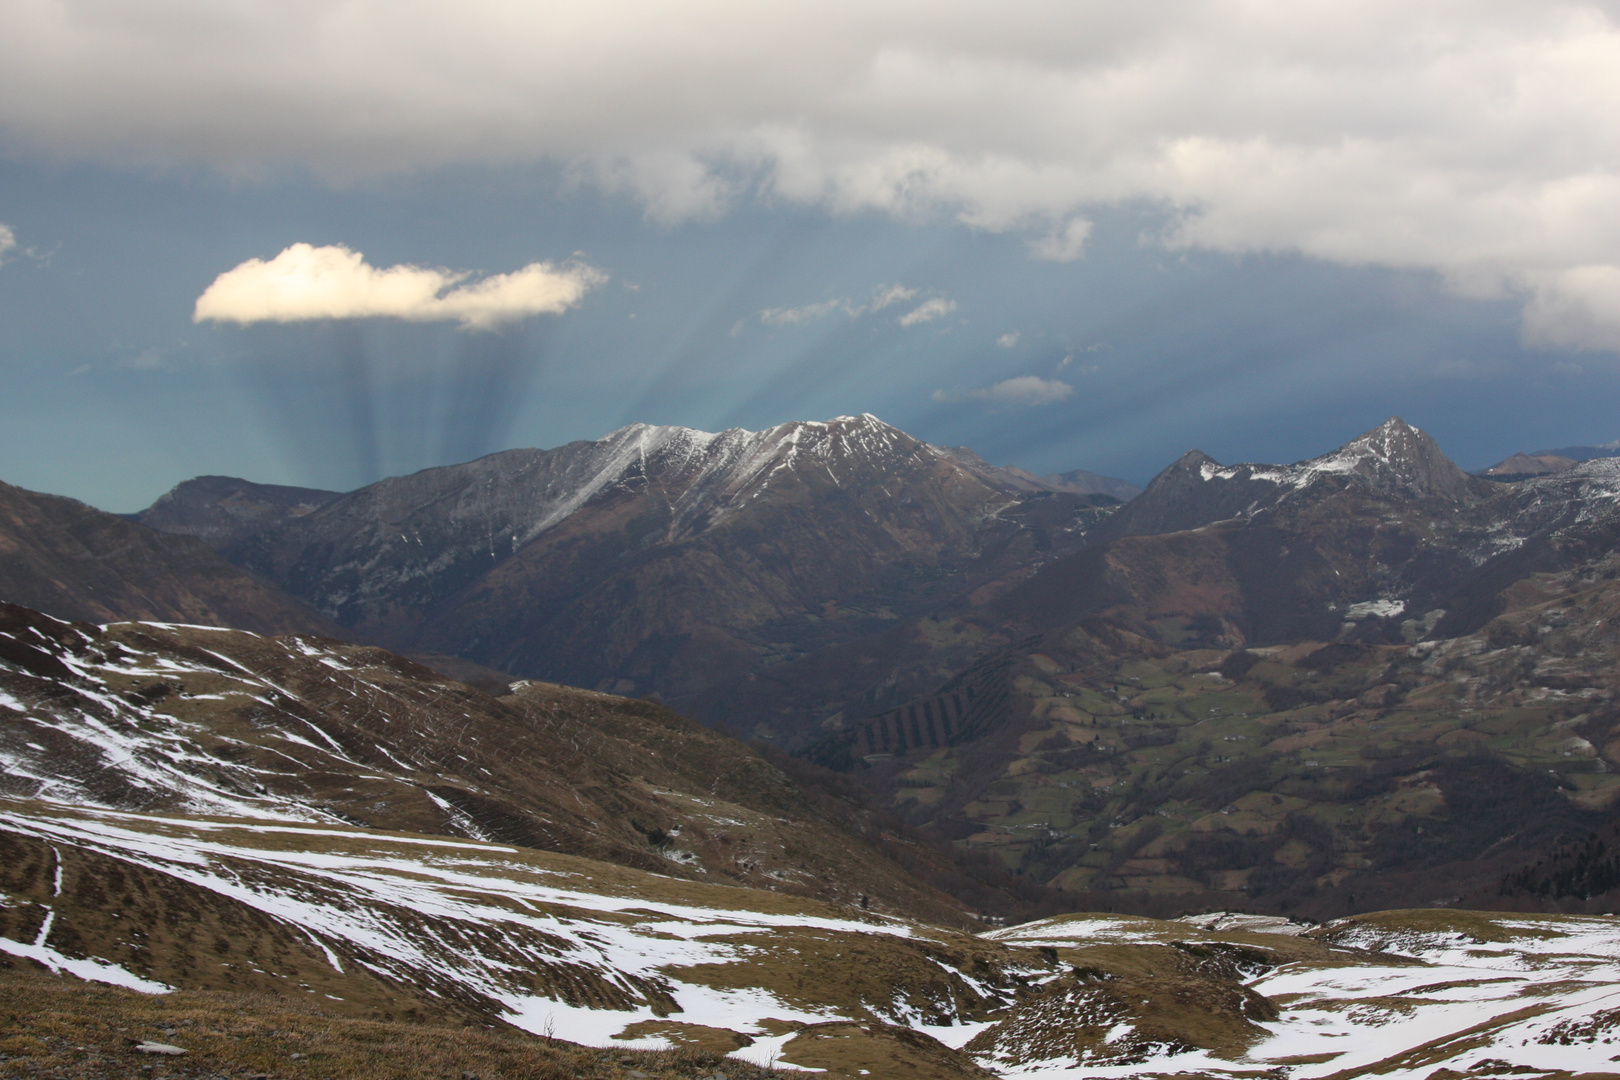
(75, 1030)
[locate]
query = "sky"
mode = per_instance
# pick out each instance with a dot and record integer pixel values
(319, 242)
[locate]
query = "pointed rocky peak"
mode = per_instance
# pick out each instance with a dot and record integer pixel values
(863, 436)
(1194, 490)
(1194, 460)
(1192, 467)
(1189, 470)
(1394, 455)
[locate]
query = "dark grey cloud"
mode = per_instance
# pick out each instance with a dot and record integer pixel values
(1469, 138)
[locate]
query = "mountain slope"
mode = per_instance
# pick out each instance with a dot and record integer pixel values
(1393, 460)
(74, 561)
(403, 930)
(699, 566)
(223, 510)
(395, 926)
(1337, 686)
(191, 720)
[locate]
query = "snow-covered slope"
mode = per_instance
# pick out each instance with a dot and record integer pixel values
(370, 923)
(549, 943)
(1427, 992)
(193, 720)
(1394, 461)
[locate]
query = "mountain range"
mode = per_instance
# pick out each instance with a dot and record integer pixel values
(77, 562)
(1082, 690)
(713, 570)
(1308, 688)
(1365, 681)
(297, 857)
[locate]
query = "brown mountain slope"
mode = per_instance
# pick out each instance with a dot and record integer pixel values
(182, 719)
(76, 562)
(1521, 465)
(223, 510)
(701, 567)
(1333, 690)
(1314, 778)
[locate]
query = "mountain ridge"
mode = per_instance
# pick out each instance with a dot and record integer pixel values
(695, 565)
(71, 560)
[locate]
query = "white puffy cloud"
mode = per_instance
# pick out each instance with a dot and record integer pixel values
(1008, 340)
(8, 241)
(305, 283)
(1019, 390)
(928, 311)
(1473, 138)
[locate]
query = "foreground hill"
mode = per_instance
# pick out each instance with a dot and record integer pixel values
(190, 720)
(409, 933)
(702, 567)
(76, 562)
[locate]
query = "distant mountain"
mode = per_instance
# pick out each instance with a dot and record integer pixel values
(1521, 465)
(1393, 460)
(1234, 692)
(702, 567)
(1587, 453)
(1542, 462)
(223, 510)
(1273, 553)
(1089, 483)
(76, 562)
(1077, 482)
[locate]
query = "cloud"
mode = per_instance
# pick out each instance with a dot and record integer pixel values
(798, 315)
(928, 311)
(1020, 390)
(1576, 309)
(10, 249)
(152, 358)
(1472, 138)
(889, 295)
(1008, 340)
(882, 297)
(1064, 243)
(306, 283)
